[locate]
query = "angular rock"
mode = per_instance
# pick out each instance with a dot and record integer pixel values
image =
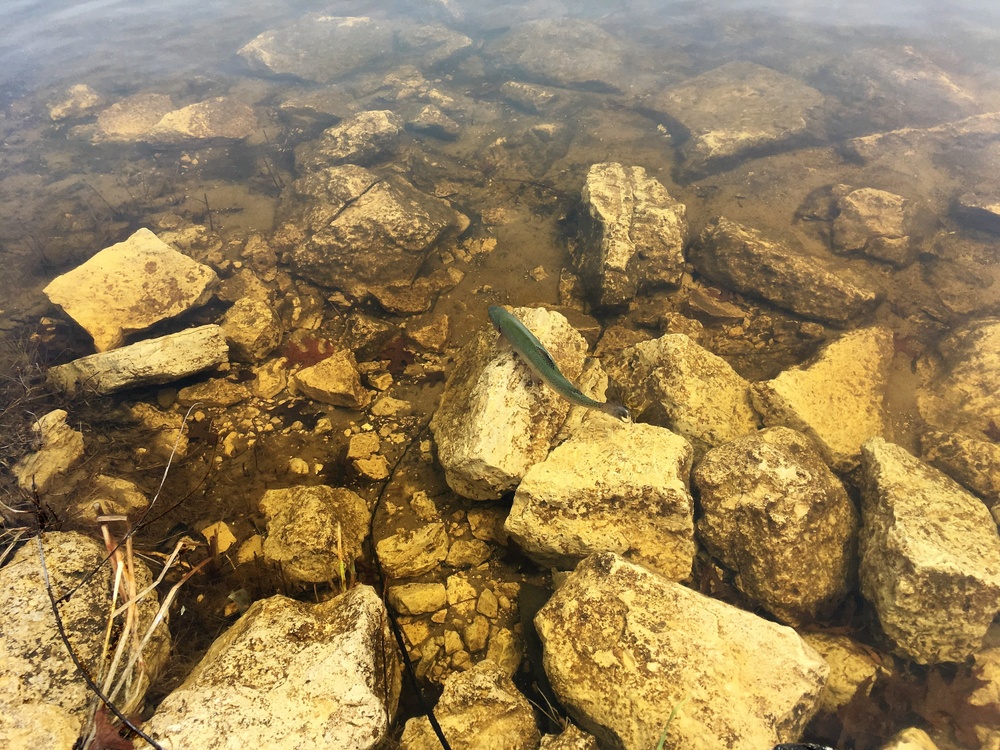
(270, 378)
(132, 117)
(108, 495)
(411, 553)
(898, 146)
(774, 513)
(611, 487)
(738, 111)
(635, 234)
(974, 464)
(80, 100)
(43, 698)
(837, 399)
(161, 360)
(129, 286)
(930, 556)
(491, 424)
(334, 380)
(252, 329)
(963, 273)
(478, 709)
(290, 675)
(164, 430)
(742, 259)
(979, 211)
(61, 448)
(302, 530)
(215, 392)
(433, 122)
(356, 229)
(216, 120)
(361, 139)
(571, 738)
(983, 697)
(532, 99)
(910, 738)
(674, 383)
(418, 598)
(623, 647)
(853, 666)
(875, 223)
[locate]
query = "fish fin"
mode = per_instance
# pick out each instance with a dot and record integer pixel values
(548, 357)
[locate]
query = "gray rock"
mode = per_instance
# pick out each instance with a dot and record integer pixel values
(362, 139)
(930, 556)
(974, 464)
(412, 553)
(774, 513)
(433, 122)
(215, 121)
(355, 230)
(634, 237)
(334, 380)
(611, 487)
(491, 424)
(738, 111)
(979, 211)
(876, 223)
(479, 709)
(149, 362)
(532, 99)
(742, 259)
(130, 286)
(623, 647)
(61, 447)
(896, 147)
(837, 399)
(289, 675)
(304, 525)
(252, 329)
(673, 382)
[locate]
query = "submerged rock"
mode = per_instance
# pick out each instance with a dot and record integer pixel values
(289, 675)
(80, 100)
(611, 487)
(132, 117)
(361, 139)
(130, 286)
(973, 463)
(930, 556)
(837, 399)
(635, 234)
(220, 119)
(896, 147)
(61, 447)
(252, 329)
(742, 259)
(875, 223)
(623, 647)
(334, 380)
(774, 513)
(161, 360)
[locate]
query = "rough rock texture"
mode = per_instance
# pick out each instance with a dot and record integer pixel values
(107, 495)
(961, 268)
(478, 710)
(837, 399)
(635, 234)
(130, 286)
(324, 48)
(418, 598)
(360, 140)
(252, 329)
(60, 448)
(876, 223)
(148, 362)
(351, 229)
(960, 393)
(930, 556)
(492, 424)
(979, 211)
(302, 530)
(985, 696)
(289, 675)
(43, 698)
(910, 738)
(737, 111)
(897, 147)
(624, 646)
(80, 100)
(566, 52)
(774, 513)
(411, 553)
(130, 118)
(853, 667)
(571, 738)
(611, 487)
(742, 259)
(974, 464)
(334, 380)
(673, 382)
(215, 120)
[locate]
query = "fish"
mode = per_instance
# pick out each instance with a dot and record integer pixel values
(543, 367)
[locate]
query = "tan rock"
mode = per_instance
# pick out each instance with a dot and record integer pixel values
(334, 380)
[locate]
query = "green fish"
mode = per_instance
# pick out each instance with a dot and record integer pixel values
(543, 367)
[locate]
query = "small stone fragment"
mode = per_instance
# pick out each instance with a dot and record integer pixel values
(414, 552)
(418, 598)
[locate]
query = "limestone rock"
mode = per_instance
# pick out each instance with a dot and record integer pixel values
(491, 424)
(528, 97)
(164, 434)
(675, 383)
(334, 380)
(979, 211)
(974, 464)
(43, 698)
(774, 513)
(216, 120)
(986, 670)
(738, 111)
(80, 100)
(302, 530)
(910, 738)
(214, 392)
(431, 334)
(289, 675)
(853, 667)
(130, 118)
(623, 647)
(433, 122)
(468, 553)
(418, 598)
(837, 399)
(61, 448)
(742, 259)
(270, 378)
(611, 487)
(571, 738)
(129, 286)
(411, 553)
(252, 329)
(896, 147)
(930, 556)
(361, 139)
(876, 223)
(635, 234)
(108, 495)
(478, 710)
(161, 360)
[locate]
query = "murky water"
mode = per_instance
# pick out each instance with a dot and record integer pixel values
(601, 86)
